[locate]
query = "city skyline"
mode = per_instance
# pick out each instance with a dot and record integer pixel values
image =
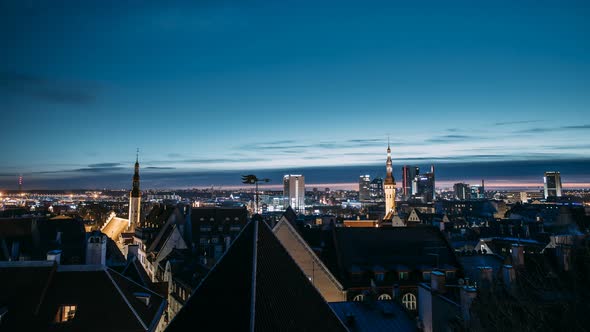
(227, 86)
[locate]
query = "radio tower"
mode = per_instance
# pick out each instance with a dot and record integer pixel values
(20, 183)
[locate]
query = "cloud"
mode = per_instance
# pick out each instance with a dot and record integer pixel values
(44, 89)
(585, 126)
(453, 138)
(100, 165)
(515, 122)
(544, 130)
(159, 168)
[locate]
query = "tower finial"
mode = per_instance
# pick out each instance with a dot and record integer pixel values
(137, 156)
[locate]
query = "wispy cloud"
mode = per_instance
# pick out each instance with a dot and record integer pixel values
(515, 122)
(453, 138)
(46, 89)
(104, 165)
(550, 129)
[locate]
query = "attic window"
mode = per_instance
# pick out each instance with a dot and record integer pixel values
(65, 313)
(143, 297)
(359, 298)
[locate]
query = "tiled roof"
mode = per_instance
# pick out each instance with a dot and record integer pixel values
(256, 286)
(104, 299)
(390, 247)
(375, 316)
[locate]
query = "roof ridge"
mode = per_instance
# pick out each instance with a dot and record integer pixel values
(46, 287)
(254, 268)
(125, 298)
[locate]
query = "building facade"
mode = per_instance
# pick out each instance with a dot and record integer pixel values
(408, 175)
(552, 184)
(294, 189)
(364, 188)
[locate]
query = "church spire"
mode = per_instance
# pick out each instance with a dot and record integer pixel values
(389, 179)
(135, 189)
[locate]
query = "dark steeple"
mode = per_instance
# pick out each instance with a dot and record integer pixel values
(135, 191)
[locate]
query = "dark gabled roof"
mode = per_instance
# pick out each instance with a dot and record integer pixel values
(105, 300)
(390, 247)
(277, 297)
(290, 216)
(159, 215)
(134, 271)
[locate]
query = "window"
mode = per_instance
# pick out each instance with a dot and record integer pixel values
(409, 301)
(384, 297)
(379, 276)
(359, 298)
(404, 275)
(426, 275)
(65, 313)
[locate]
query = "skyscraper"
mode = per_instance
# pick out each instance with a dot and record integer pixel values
(408, 175)
(135, 197)
(423, 186)
(552, 184)
(364, 188)
(389, 186)
(461, 191)
(376, 190)
(294, 190)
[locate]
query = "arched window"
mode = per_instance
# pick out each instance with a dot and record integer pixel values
(409, 300)
(359, 298)
(384, 297)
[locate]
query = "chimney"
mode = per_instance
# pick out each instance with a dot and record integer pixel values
(517, 255)
(509, 276)
(54, 255)
(563, 254)
(485, 276)
(437, 281)
(132, 250)
(468, 294)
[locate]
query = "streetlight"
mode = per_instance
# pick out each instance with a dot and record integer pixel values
(252, 179)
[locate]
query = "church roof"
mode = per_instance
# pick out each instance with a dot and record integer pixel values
(256, 286)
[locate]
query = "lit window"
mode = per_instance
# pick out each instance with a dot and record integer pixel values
(404, 276)
(359, 298)
(409, 301)
(65, 313)
(384, 297)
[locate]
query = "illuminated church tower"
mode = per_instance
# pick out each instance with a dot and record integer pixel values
(135, 198)
(389, 187)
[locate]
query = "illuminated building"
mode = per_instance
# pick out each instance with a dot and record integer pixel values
(389, 187)
(364, 188)
(376, 190)
(552, 184)
(408, 175)
(461, 191)
(294, 189)
(423, 186)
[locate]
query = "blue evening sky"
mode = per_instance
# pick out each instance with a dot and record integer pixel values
(235, 85)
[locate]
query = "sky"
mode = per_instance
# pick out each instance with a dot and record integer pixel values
(223, 87)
